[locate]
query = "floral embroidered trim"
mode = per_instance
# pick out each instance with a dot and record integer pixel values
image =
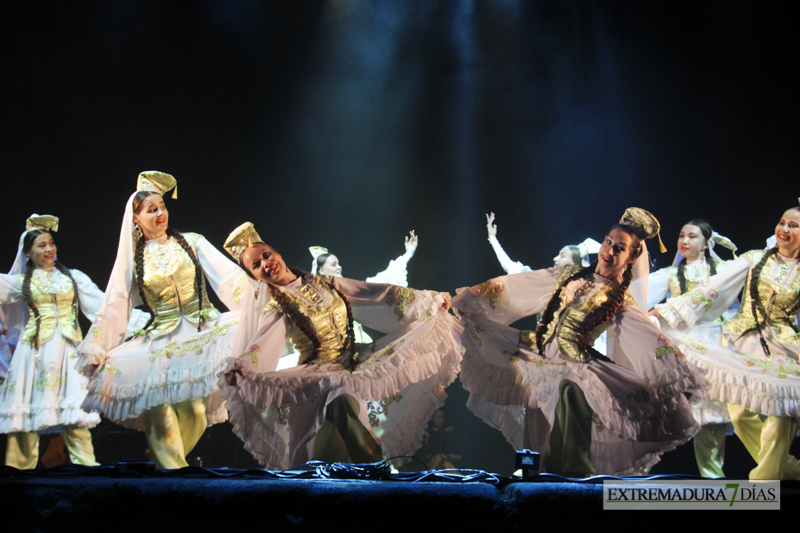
(699, 297)
(667, 347)
(400, 297)
(781, 365)
(283, 415)
(473, 330)
(380, 408)
(252, 353)
(111, 368)
(8, 385)
(95, 328)
(195, 343)
(491, 289)
(236, 287)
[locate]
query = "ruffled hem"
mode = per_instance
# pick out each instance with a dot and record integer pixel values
(741, 388)
(44, 415)
(268, 447)
(386, 373)
(676, 311)
(663, 415)
(90, 358)
(123, 403)
(406, 434)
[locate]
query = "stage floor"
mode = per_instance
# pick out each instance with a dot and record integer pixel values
(194, 499)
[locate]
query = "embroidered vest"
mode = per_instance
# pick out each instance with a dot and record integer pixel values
(778, 286)
(695, 274)
(169, 285)
(580, 299)
(53, 294)
(323, 311)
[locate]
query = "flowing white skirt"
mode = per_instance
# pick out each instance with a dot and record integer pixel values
(401, 384)
(141, 374)
(636, 418)
(741, 373)
(44, 394)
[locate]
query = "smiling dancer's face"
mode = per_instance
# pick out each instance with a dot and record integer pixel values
(616, 253)
(787, 232)
(267, 265)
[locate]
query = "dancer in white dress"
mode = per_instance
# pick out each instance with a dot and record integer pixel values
(162, 381)
(695, 262)
(316, 409)
(550, 391)
(750, 360)
(572, 254)
(43, 392)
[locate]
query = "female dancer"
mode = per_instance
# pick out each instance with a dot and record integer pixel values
(696, 262)
(42, 390)
(164, 379)
(550, 391)
(572, 254)
(751, 359)
(327, 264)
(317, 409)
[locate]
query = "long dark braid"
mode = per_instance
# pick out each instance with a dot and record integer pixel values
(755, 300)
(554, 303)
(708, 233)
(604, 313)
(682, 266)
(138, 269)
(75, 301)
(199, 281)
(29, 301)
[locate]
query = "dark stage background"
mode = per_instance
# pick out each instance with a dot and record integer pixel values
(347, 123)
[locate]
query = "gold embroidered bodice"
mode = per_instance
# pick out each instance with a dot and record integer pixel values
(696, 273)
(319, 306)
(778, 286)
(579, 300)
(169, 276)
(53, 293)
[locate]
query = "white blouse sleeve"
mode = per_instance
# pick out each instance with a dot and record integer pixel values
(262, 352)
(657, 287)
(511, 267)
(89, 295)
(709, 301)
(223, 275)
(10, 288)
(388, 308)
(509, 298)
(641, 347)
(396, 273)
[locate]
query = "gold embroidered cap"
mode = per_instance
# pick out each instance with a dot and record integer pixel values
(155, 181)
(45, 222)
(644, 223)
(317, 251)
(240, 239)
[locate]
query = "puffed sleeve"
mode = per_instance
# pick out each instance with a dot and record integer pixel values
(225, 277)
(10, 288)
(511, 267)
(387, 308)
(640, 346)
(89, 295)
(657, 287)
(396, 273)
(261, 353)
(509, 298)
(707, 302)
